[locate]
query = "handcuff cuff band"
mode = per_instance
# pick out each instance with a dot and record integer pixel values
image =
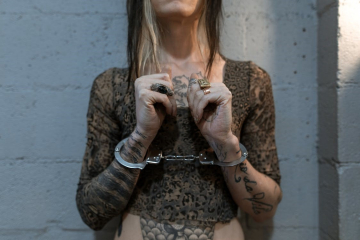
(154, 156)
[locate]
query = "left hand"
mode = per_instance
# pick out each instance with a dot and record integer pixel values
(211, 112)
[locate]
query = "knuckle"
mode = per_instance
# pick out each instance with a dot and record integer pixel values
(142, 94)
(198, 94)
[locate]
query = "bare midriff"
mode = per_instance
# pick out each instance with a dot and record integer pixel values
(135, 228)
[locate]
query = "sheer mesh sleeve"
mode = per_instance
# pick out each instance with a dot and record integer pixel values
(104, 186)
(258, 131)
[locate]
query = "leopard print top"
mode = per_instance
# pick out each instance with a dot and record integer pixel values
(174, 190)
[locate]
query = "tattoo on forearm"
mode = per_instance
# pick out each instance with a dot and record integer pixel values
(140, 134)
(236, 177)
(165, 230)
(257, 205)
(106, 196)
(240, 167)
(136, 141)
(247, 184)
(243, 168)
(126, 152)
(134, 152)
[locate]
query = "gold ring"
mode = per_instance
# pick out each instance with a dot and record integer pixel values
(204, 83)
(206, 91)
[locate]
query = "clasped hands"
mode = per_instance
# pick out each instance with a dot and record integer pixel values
(211, 112)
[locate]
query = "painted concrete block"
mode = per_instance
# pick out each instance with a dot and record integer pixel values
(62, 7)
(66, 56)
(328, 200)
(348, 120)
(44, 124)
(349, 209)
(298, 108)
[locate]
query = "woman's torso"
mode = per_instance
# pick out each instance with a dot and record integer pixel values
(185, 191)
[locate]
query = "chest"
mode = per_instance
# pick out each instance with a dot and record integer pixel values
(180, 77)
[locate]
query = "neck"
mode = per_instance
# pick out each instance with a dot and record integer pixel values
(180, 41)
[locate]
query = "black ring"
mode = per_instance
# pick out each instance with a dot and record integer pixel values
(161, 88)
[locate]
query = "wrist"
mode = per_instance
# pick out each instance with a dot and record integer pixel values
(135, 147)
(226, 149)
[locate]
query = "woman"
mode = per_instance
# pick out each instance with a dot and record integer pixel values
(159, 102)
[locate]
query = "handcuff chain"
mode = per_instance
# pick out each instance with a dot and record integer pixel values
(154, 156)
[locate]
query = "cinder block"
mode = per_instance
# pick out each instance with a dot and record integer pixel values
(285, 233)
(69, 55)
(348, 120)
(64, 7)
(349, 209)
(37, 195)
(45, 124)
(299, 184)
(298, 108)
(328, 200)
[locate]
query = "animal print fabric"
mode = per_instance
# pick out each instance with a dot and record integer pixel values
(175, 191)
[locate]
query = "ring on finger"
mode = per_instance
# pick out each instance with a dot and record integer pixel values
(204, 83)
(206, 91)
(161, 88)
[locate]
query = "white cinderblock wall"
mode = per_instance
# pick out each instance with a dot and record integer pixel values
(50, 52)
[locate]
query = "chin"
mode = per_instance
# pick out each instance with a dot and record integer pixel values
(177, 8)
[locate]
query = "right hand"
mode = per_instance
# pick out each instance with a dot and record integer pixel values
(151, 106)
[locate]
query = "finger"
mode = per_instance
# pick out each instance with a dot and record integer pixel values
(155, 97)
(156, 75)
(167, 69)
(146, 84)
(215, 97)
(193, 87)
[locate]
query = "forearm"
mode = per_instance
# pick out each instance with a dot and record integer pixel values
(254, 192)
(106, 195)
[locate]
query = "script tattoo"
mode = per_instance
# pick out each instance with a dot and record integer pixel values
(259, 206)
(247, 183)
(240, 167)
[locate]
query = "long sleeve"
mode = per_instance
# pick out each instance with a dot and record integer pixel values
(258, 131)
(104, 187)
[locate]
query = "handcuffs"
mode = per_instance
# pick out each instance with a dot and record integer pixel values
(154, 156)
